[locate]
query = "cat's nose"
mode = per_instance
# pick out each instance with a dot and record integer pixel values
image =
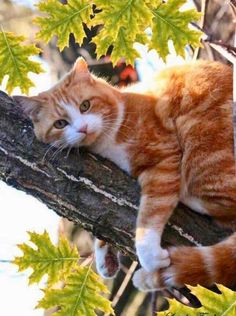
(83, 129)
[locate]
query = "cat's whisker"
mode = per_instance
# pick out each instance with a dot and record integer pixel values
(108, 116)
(51, 147)
(125, 135)
(126, 112)
(68, 151)
(47, 151)
(123, 125)
(62, 146)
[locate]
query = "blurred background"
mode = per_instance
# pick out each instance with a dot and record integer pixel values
(22, 212)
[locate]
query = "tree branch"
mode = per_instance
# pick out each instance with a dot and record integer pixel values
(86, 189)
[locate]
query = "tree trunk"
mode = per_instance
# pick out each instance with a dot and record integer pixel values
(85, 188)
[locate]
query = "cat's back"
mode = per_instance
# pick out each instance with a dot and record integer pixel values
(201, 102)
(194, 82)
(201, 105)
(195, 86)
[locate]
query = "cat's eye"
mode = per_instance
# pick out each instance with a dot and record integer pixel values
(60, 124)
(84, 106)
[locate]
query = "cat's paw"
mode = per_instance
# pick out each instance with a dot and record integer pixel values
(107, 261)
(151, 256)
(146, 281)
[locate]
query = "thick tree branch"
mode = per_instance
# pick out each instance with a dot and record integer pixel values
(86, 189)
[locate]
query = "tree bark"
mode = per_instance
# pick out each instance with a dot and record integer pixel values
(85, 188)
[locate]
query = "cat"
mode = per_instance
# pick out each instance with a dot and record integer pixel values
(176, 138)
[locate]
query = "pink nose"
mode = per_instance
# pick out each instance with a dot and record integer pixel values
(83, 129)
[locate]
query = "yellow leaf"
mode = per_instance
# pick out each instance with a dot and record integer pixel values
(169, 23)
(62, 20)
(15, 62)
(81, 295)
(124, 23)
(223, 304)
(45, 258)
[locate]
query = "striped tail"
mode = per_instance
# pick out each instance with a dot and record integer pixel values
(202, 265)
(193, 265)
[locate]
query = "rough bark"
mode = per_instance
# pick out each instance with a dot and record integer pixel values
(85, 188)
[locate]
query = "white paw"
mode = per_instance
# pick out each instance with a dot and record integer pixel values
(107, 262)
(146, 281)
(151, 256)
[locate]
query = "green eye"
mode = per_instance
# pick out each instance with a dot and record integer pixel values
(60, 124)
(84, 106)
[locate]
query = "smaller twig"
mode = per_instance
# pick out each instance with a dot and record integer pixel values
(124, 268)
(218, 16)
(228, 51)
(5, 261)
(124, 283)
(154, 302)
(87, 261)
(231, 49)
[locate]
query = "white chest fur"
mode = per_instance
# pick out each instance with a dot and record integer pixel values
(117, 153)
(108, 148)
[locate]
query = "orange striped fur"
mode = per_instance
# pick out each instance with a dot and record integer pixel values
(176, 138)
(198, 265)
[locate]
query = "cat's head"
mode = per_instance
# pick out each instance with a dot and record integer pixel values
(76, 111)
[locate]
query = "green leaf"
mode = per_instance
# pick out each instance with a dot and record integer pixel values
(171, 24)
(223, 304)
(80, 296)
(124, 23)
(15, 62)
(62, 20)
(122, 46)
(45, 258)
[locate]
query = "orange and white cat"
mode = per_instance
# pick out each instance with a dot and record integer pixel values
(177, 139)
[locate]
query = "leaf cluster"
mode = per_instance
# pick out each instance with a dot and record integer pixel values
(82, 291)
(124, 23)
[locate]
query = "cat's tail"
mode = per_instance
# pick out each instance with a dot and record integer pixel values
(194, 265)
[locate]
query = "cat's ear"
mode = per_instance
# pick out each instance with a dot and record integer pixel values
(80, 70)
(31, 106)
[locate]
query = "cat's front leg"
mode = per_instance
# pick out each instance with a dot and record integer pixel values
(160, 194)
(107, 260)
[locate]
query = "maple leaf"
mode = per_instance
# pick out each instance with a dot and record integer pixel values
(80, 296)
(45, 258)
(223, 304)
(169, 23)
(62, 20)
(124, 24)
(15, 62)
(122, 46)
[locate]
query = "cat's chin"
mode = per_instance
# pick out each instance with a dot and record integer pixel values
(88, 140)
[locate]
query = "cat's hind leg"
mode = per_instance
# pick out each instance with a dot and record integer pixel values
(107, 261)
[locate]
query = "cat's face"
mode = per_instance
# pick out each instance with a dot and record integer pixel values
(76, 111)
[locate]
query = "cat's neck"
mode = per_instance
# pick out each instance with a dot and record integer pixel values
(133, 110)
(139, 111)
